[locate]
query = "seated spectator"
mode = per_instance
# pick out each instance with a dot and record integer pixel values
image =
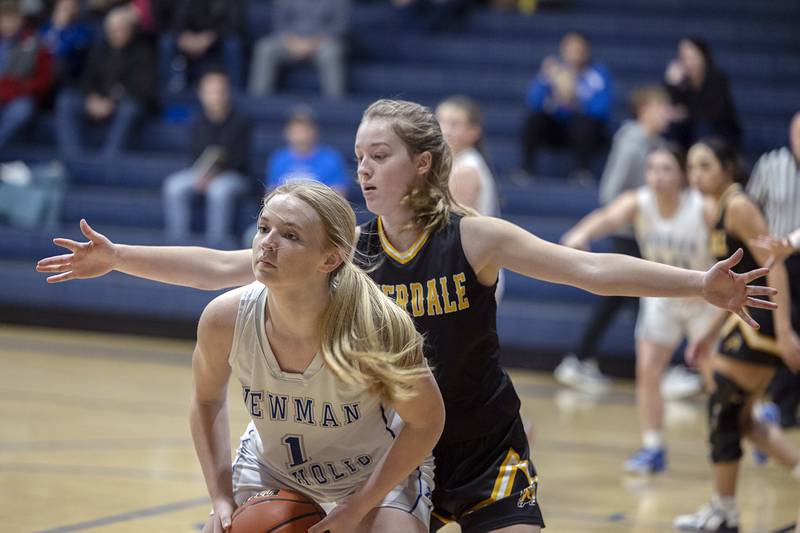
(569, 104)
(304, 158)
(151, 16)
(117, 86)
(303, 30)
(219, 145)
(68, 39)
(204, 32)
(25, 71)
(702, 95)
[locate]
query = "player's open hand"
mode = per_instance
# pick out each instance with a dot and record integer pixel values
(86, 260)
(725, 288)
(221, 517)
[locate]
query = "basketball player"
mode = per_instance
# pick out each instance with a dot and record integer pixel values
(746, 358)
(667, 218)
(442, 267)
(324, 360)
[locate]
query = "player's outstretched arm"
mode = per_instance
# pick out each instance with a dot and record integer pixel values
(190, 266)
(423, 418)
(491, 244)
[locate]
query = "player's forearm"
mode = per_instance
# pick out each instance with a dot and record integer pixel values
(211, 437)
(411, 447)
(779, 279)
(622, 275)
(190, 266)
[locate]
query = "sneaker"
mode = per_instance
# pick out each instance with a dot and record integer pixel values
(766, 413)
(581, 375)
(680, 382)
(647, 461)
(709, 518)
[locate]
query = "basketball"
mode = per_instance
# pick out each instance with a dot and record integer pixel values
(276, 511)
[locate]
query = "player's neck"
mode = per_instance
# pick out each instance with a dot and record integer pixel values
(397, 230)
(296, 313)
(668, 203)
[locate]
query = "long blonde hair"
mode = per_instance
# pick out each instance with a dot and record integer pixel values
(429, 199)
(368, 341)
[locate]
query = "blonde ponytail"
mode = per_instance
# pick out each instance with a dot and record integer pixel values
(368, 341)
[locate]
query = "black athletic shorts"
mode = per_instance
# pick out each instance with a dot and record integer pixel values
(487, 483)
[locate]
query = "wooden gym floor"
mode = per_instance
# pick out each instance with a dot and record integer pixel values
(95, 437)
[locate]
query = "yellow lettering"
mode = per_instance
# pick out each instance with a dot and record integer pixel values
(718, 242)
(417, 308)
(434, 307)
(461, 291)
(449, 306)
(402, 295)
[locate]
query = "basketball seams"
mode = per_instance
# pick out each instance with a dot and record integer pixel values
(293, 519)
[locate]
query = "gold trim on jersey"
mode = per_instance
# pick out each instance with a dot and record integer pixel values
(732, 189)
(752, 337)
(504, 483)
(401, 257)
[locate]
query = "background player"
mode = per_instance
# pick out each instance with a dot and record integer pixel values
(667, 217)
(747, 358)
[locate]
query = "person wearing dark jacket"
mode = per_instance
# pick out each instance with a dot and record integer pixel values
(118, 84)
(204, 31)
(219, 147)
(25, 71)
(702, 95)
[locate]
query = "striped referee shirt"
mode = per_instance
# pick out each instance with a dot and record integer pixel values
(775, 186)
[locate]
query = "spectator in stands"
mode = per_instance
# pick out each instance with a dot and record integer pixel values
(303, 30)
(702, 95)
(304, 157)
(219, 145)
(68, 39)
(624, 171)
(118, 84)
(203, 30)
(25, 71)
(151, 16)
(569, 104)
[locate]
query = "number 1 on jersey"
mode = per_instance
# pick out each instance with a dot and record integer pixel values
(294, 445)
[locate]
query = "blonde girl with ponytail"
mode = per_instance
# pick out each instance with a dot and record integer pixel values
(325, 360)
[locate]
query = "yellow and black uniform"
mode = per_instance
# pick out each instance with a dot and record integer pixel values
(482, 458)
(738, 340)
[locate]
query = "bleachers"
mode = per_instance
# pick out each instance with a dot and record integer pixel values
(493, 59)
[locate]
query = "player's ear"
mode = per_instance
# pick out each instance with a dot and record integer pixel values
(424, 163)
(332, 261)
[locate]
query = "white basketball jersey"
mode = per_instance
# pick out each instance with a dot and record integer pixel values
(316, 436)
(681, 240)
(488, 203)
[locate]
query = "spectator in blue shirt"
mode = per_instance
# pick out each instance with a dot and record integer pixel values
(569, 104)
(68, 38)
(304, 158)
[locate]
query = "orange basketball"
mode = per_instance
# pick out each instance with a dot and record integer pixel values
(277, 511)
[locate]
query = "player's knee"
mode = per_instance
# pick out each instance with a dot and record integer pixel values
(724, 410)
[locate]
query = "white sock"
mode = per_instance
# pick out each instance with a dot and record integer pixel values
(726, 503)
(796, 472)
(653, 439)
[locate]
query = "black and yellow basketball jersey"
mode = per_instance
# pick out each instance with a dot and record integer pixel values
(738, 340)
(456, 314)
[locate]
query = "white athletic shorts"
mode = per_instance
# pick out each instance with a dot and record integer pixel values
(667, 321)
(251, 476)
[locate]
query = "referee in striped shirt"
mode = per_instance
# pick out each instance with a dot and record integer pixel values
(775, 186)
